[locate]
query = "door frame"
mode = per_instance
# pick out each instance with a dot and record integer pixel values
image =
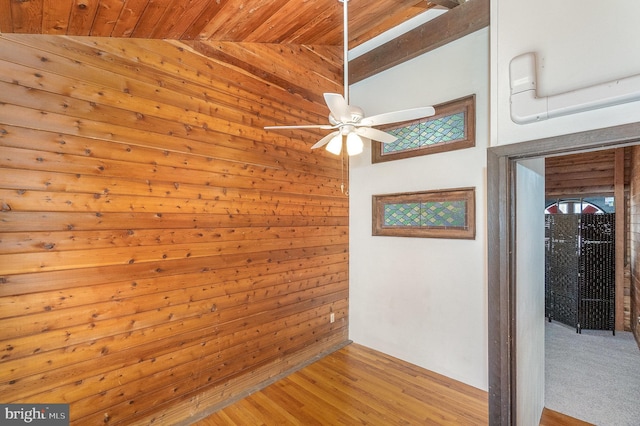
(501, 169)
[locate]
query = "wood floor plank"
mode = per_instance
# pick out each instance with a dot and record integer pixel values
(553, 418)
(356, 385)
(419, 389)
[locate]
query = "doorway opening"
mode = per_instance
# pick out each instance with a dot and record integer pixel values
(501, 167)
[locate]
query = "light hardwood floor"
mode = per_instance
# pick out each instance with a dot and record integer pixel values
(357, 385)
(553, 418)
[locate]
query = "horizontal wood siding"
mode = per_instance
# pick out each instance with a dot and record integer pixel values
(584, 174)
(159, 251)
(634, 201)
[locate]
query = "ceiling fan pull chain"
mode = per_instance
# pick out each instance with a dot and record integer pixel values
(342, 171)
(342, 160)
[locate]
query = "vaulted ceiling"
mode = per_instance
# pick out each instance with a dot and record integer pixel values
(317, 22)
(288, 22)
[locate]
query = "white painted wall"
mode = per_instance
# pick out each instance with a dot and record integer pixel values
(578, 43)
(530, 291)
(419, 299)
(424, 300)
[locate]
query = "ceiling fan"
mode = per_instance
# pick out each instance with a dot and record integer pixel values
(348, 121)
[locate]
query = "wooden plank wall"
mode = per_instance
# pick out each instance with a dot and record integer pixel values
(159, 251)
(634, 223)
(583, 174)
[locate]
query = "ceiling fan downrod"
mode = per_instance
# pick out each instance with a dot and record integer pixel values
(345, 47)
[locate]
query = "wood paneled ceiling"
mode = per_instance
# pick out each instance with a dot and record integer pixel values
(201, 23)
(309, 22)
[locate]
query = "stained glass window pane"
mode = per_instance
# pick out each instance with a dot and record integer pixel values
(427, 133)
(431, 214)
(452, 127)
(444, 213)
(402, 214)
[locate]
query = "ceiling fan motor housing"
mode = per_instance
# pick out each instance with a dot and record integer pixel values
(356, 113)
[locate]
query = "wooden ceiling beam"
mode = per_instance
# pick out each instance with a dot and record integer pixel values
(469, 17)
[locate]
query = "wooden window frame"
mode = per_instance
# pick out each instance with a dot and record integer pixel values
(466, 105)
(467, 232)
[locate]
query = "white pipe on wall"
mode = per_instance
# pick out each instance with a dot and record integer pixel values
(527, 107)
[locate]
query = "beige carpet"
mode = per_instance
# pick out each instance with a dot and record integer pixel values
(593, 376)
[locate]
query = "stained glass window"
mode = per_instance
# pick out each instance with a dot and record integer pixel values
(452, 127)
(440, 214)
(426, 132)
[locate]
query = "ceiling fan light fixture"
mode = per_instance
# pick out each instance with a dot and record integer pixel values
(348, 123)
(354, 144)
(335, 144)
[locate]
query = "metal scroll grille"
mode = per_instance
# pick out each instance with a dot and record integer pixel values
(580, 270)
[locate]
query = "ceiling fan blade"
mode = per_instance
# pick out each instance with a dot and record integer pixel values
(375, 134)
(397, 116)
(325, 140)
(338, 107)
(302, 126)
